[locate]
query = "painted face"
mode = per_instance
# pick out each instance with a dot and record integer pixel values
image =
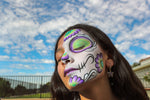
(82, 56)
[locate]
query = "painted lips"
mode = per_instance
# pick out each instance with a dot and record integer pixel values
(67, 71)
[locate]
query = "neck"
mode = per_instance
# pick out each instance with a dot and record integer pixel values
(99, 90)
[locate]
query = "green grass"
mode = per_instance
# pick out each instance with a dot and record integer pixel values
(44, 95)
(38, 95)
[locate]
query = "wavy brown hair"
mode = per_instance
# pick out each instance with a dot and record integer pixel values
(126, 85)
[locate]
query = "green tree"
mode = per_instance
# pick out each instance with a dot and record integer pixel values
(45, 87)
(135, 64)
(147, 77)
(19, 90)
(5, 88)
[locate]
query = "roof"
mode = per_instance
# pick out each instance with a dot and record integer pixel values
(142, 65)
(144, 59)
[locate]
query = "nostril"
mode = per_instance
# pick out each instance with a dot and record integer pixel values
(71, 60)
(67, 61)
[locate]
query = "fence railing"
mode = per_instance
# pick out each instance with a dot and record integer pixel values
(37, 86)
(30, 86)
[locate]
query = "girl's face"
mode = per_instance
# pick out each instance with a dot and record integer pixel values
(79, 57)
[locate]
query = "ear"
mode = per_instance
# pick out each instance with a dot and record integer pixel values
(109, 63)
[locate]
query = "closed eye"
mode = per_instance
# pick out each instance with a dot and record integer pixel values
(58, 60)
(79, 48)
(80, 43)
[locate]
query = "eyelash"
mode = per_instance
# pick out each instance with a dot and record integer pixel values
(79, 48)
(59, 60)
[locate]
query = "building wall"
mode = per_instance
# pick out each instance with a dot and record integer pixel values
(142, 69)
(142, 72)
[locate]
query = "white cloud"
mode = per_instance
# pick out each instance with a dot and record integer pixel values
(21, 66)
(26, 66)
(132, 57)
(37, 73)
(94, 3)
(6, 71)
(47, 61)
(4, 57)
(146, 46)
(28, 60)
(21, 24)
(141, 31)
(59, 24)
(4, 43)
(44, 61)
(124, 46)
(51, 40)
(18, 26)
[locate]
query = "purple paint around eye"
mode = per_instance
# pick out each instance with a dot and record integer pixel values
(80, 37)
(65, 56)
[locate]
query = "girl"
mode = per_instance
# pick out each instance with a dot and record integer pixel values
(89, 67)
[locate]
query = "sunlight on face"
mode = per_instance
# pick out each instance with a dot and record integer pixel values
(82, 57)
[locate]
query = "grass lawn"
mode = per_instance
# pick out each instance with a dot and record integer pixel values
(38, 95)
(44, 95)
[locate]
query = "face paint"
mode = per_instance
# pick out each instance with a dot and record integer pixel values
(70, 33)
(80, 43)
(99, 62)
(84, 56)
(65, 56)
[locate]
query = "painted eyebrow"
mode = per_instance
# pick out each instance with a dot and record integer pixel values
(59, 49)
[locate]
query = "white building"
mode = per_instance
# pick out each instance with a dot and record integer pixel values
(142, 69)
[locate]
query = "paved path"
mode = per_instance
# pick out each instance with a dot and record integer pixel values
(26, 99)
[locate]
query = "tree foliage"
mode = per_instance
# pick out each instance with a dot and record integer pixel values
(135, 64)
(45, 87)
(19, 90)
(5, 88)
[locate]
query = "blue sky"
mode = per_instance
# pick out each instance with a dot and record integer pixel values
(30, 28)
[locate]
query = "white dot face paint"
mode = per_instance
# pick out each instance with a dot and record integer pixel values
(83, 57)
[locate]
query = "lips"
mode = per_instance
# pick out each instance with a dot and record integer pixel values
(67, 71)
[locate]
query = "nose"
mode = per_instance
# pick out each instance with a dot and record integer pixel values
(67, 59)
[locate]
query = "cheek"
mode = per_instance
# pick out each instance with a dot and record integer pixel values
(60, 70)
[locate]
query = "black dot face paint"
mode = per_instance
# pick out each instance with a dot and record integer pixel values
(86, 55)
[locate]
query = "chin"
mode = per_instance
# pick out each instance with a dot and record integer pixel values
(76, 88)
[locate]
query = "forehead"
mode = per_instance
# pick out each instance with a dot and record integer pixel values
(68, 36)
(74, 32)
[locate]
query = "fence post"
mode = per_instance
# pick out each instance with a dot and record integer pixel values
(41, 86)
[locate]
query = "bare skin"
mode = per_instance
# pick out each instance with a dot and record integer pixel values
(95, 89)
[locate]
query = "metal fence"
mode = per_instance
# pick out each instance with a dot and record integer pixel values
(24, 85)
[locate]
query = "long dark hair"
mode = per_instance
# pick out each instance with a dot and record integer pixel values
(126, 85)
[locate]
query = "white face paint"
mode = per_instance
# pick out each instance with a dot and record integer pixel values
(82, 57)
